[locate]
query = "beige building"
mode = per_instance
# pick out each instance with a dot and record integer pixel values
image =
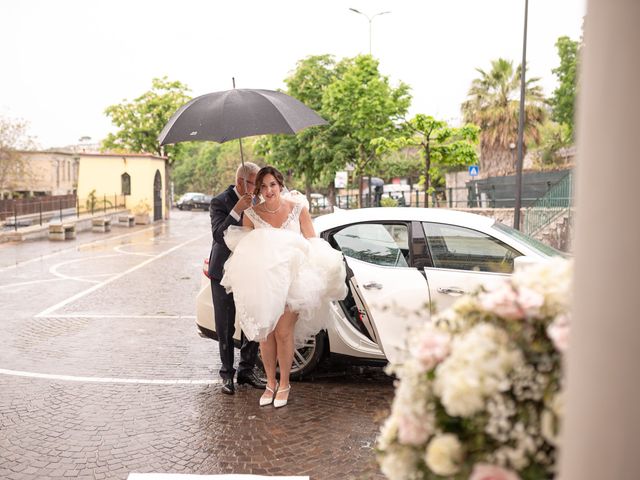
(42, 173)
(141, 177)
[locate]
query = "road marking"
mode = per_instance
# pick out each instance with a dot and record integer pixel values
(119, 249)
(117, 315)
(138, 381)
(79, 295)
(33, 282)
(54, 269)
(77, 248)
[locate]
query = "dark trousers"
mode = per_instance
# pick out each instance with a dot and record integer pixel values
(225, 316)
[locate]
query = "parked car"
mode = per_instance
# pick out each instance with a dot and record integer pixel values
(403, 264)
(185, 198)
(199, 201)
(318, 202)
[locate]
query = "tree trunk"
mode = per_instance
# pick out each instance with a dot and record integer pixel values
(360, 170)
(331, 193)
(495, 162)
(307, 188)
(427, 166)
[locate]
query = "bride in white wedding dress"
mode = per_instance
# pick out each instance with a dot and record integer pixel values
(282, 278)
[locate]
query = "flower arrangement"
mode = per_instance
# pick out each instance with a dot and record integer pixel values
(480, 395)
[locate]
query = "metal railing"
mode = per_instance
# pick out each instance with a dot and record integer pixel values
(555, 203)
(26, 212)
(412, 198)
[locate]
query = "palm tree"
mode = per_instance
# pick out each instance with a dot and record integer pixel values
(493, 105)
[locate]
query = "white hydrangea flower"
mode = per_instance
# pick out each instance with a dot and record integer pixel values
(444, 455)
(388, 433)
(551, 417)
(400, 463)
(552, 279)
(477, 368)
(411, 409)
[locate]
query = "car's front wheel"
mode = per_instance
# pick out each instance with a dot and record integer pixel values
(307, 357)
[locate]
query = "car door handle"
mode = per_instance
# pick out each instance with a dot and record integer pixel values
(451, 291)
(372, 285)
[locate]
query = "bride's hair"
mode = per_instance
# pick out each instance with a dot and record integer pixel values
(266, 171)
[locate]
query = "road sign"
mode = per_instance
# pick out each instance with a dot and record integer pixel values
(473, 170)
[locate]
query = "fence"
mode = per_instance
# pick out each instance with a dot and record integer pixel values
(489, 193)
(555, 203)
(25, 212)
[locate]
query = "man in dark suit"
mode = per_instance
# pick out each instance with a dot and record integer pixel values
(226, 209)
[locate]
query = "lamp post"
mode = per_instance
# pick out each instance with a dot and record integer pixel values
(370, 19)
(518, 205)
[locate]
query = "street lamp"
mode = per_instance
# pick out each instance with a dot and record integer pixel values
(370, 20)
(523, 69)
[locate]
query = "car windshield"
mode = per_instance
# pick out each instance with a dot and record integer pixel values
(531, 242)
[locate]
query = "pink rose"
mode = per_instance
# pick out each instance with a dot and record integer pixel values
(484, 471)
(558, 332)
(432, 347)
(413, 430)
(503, 301)
(530, 301)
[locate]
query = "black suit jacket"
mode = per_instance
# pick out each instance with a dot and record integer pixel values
(219, 211)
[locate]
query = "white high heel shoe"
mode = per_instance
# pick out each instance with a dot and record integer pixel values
(281, 403)
(268, 399)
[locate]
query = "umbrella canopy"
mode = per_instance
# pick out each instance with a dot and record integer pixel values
(237, 113)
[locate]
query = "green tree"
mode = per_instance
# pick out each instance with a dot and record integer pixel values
(210, 167)
(402, 162)
(362, 104)
(493, 105)
(442, 146)
(564, 97)
(140, 121)
(313, 153)
(194, 171)
(553, 138)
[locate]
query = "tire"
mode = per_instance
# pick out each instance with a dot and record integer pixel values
(305, 359)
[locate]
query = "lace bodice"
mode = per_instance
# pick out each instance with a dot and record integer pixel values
(292, 222)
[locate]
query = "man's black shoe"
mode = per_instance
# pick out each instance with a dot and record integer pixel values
(252, 379)
(227, 386)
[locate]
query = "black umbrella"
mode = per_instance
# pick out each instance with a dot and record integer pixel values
(237, 113)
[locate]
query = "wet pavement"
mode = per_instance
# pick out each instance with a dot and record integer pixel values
(102, 372)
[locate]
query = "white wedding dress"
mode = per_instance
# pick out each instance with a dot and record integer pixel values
(271, 268)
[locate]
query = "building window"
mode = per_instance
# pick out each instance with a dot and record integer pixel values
(125, 180)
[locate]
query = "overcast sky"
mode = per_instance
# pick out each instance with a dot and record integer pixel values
(64, 61)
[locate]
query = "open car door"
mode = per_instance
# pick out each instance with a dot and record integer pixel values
(393, 295)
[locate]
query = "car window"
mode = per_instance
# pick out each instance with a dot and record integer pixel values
(461, 248)
(380, 244)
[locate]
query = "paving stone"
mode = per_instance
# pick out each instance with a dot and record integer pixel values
(55, 428)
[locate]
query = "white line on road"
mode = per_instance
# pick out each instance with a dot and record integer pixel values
(120, 249)
(79, 295)
(33, 282)
(54, 269)
(116, 315)
(77, 247)
(138, 381)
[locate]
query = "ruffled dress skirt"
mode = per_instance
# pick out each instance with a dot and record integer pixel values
(271, 269)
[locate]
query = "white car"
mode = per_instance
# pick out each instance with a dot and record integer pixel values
(403, 264)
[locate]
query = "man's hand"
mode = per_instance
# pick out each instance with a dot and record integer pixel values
(245, 202)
